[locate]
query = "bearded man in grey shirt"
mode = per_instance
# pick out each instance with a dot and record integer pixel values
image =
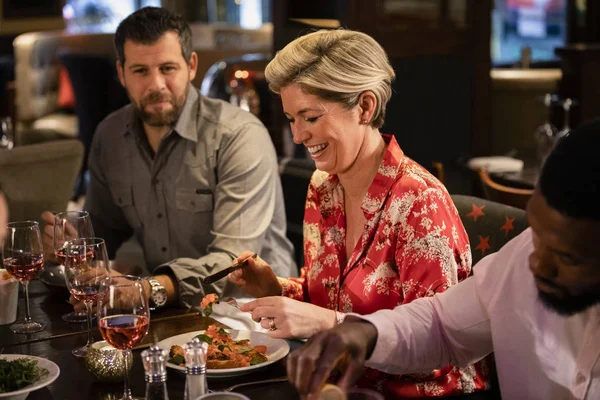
(194, 179)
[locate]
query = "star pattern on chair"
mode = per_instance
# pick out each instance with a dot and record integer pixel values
(484, 244)
(476, 212)
(508, 226)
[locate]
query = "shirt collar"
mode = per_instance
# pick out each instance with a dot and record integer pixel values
(186, 125)
(389, 171)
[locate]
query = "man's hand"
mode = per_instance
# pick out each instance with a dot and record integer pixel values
(256, 278)
(351, 342)
(79, 306)
(291, 318)
(48, 237)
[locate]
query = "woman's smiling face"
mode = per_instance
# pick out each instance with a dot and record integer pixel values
(329, 131)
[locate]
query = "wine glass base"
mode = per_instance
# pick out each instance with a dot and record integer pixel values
(80, 351)
(75, 317)
(28, 327)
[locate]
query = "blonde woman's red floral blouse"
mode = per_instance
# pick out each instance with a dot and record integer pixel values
(413, 245)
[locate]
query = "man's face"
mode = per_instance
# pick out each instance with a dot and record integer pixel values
(157, 78)
(566, 258)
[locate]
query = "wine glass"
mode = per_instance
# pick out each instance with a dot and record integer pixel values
(123, 316)
(69, 225)
(6, 133)
(545, 134)
(23, 257)
(86, 266)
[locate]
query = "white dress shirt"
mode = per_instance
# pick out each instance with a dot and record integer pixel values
(539, 353)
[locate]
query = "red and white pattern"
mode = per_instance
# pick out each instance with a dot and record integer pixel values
(413, 245)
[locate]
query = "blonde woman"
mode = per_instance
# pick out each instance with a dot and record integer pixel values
(379, 230)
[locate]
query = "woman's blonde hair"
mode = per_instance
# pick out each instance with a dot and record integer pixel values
(336, 65)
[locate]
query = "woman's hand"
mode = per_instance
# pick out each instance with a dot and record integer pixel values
(256, 278)
(290, 318)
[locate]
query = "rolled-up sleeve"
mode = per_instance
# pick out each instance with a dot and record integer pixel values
(450, 328)
(244, 205)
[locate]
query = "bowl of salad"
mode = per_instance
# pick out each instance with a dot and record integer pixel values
(21, 374)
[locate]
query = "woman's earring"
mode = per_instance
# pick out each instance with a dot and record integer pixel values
(364, 121)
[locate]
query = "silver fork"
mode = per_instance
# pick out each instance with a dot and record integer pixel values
(232, 388)
(232, 302)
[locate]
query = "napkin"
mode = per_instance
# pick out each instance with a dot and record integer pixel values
(9, 295)
(234, 318)
(496, 164)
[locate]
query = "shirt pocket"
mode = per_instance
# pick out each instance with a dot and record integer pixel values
(123, 197)
(194, 200)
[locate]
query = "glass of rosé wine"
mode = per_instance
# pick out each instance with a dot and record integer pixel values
(69, 225)
(123, 316)
(23, 257)
(86, 266)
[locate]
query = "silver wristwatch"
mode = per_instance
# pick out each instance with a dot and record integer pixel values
(158, 293)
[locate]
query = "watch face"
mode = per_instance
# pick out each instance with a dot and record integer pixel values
(159, 296)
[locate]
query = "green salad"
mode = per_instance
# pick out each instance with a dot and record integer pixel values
(17, 374)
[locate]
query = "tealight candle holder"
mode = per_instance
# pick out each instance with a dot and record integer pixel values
(105, 363)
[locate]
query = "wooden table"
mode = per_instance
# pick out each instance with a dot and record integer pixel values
(76, 383)
(524, 179)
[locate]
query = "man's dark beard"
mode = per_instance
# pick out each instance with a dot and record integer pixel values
(570, 305)
(164, 119)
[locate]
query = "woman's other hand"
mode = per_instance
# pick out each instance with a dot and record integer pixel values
(289, 318)
(256, 278)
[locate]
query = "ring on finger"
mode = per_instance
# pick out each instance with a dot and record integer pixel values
(272, 326)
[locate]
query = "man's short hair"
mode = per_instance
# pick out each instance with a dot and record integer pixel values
(570, 178)
(148, 25)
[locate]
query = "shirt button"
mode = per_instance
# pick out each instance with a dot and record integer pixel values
(164, 249)
(580, 378)
(192, 203)
(159, 215)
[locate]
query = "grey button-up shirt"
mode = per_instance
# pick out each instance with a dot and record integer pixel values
(211, 191)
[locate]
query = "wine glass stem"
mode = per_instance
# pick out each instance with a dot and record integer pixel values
(126, 390)
(26, 290)
(88, 306)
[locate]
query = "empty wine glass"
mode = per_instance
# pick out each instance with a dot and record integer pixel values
(123, 316)
(545, 134)
(86, 266)
(566, 106)
(6, 133)
(69, 225)
(23, 257)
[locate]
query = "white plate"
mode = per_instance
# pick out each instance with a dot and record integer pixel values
(276, 350)
(53, 372)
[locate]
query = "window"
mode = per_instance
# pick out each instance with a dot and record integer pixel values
(530, 27)
(105, 15)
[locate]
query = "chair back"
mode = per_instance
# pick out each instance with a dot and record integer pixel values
(490, 225)
(295, 176)
(39, 177)
(503, 194)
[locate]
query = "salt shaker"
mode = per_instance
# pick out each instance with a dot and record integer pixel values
(195, 353)
(155, 360)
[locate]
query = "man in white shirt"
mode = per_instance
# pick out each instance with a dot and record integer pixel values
(535, 303)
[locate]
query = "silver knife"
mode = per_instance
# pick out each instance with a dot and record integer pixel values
(223, 273)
